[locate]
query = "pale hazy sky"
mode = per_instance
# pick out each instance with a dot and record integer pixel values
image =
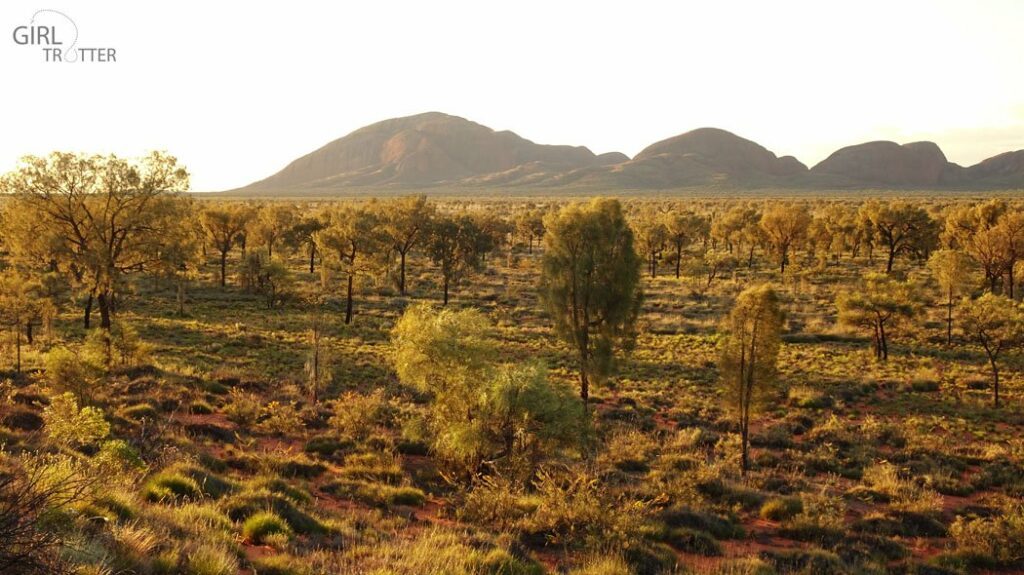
(238, 89)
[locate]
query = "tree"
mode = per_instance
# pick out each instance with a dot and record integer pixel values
(180, 250)
(96, 217)
(652, 237)
(953, 270)
(482, 412)
(20, 304)
(452, 245)
(529, 224)
(749, 354)
(704, 269)
(354, 243)
(318, 372)
(902, 227)
(682, 229)
(1010, 241)
(785, 225)
(490, 233)
(224, 225)
(996, 323)
(879, 304)
(590, 284)
(303, 235)
(272, 223)
(406, 222)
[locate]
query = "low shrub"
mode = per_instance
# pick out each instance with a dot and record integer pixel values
(258, 526)
(1000, 537)
(211, 559)
(781, 508)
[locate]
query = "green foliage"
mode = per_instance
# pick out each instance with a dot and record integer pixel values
(880, 304)
(1000, 537)
(358, 415)
(590, 284)
(69, 425)
(210, 559)
(258, 526)
(509, 413)
(750, 351)
(781, 508)
(67, 372)
(170, 487)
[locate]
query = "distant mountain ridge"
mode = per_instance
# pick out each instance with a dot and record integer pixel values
(436, 150)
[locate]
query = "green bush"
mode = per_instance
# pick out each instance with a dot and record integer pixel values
(211, 559)
(781, 508)
(501, 562)
(67, 424)
(693, 541)
(1000, 537)
(170, 486)
(604, 566)
(258, 526)
(280, 565)
(241, 506)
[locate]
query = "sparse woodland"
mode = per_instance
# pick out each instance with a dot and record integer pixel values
(413, 385)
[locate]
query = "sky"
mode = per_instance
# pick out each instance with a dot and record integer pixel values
(236, 90)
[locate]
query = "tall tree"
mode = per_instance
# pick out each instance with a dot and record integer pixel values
(529, 224)
(590, 284)
(682, 228)
(784, 226)
(453, 244)
(303, 235)
(354, 242)
(902, 227)
(953, 270)
(407, 222)
(996, 323)
(652, 237)
(97, 218)
(750, 353)
(224, 226)
(272, 223)
(880, 303)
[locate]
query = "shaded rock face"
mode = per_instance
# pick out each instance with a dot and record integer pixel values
(435, 149)
(1004, 167)
(915, 164)
(425, 149)
(724, 152)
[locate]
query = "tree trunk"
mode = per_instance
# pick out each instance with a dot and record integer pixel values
(584, 381)
(892, 257)
(679, 258)
(87, 316)
(745, 446)
(312, 258)
(348, 301)
(28, 332)
(1009, 277)
(181, 296)
(445, 290)
(104, 301)
(883, 342)
(401, 277)
(17, 339)
(223, 269)
(949, 319)
(995, 379)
